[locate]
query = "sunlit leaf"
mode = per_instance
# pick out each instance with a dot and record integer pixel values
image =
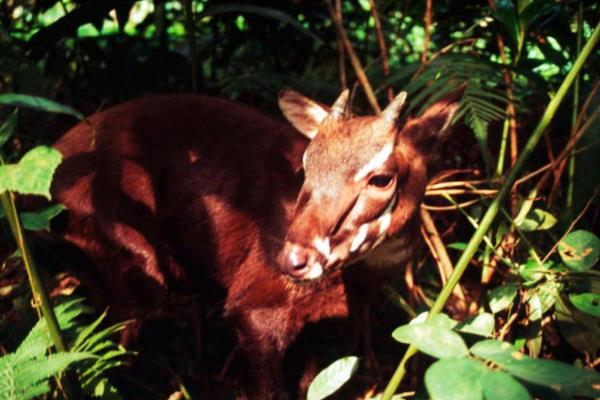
(33, 174)
(456, 379)
(502, 297)
(499, 385)
(537, 220)
(332, 378)
(579, 250)
(481, 324)
(560, 377)
(589, 303)
(432, 339)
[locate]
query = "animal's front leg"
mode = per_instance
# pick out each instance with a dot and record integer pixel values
(263, 340)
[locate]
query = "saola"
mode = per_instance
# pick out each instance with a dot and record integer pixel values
(166, 193)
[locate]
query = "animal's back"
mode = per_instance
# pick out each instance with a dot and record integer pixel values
(160, 188)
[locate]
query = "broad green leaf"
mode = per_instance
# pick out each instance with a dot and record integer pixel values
(531, 271)
(33, 174)
(589, 303)
(537, 220)
(8, 128)
(502, 297)
(579, 250)
(499, 385)
(38, 103)
(455, 379)
(40, 221)
(548, 292)
(535, 307)
(581, 331)
(481, 324)
(560, 377)
(332, 378)
(432, 339)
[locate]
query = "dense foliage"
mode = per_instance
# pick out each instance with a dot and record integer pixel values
(514, 189)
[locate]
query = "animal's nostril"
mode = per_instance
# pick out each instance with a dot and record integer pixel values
(297, 259)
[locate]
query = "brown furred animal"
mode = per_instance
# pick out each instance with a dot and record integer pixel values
(167, 192)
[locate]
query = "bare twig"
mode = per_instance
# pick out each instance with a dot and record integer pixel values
(427, 19)
(354, 60)
(341, 57)
(439, 253)
(452, 207)
(382, 46)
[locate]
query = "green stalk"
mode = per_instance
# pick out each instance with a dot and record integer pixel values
(40, 295)
(41, 299)
(496, 204)
(571, 182)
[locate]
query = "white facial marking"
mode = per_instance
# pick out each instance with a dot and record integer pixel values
(360, 237)
(315, 271)
(384, 223)
(304, 160)
(322, 245)
(376, 162)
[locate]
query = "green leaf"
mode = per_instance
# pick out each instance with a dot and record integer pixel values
(7, 129)
(332, 378)
(481, 324)
(432, 339)
(535, 11)
(536, 220)
(499, 385)
(532, 271)
(506, 13)
(535, 307)
(560, 377)
(548, 292)
(38, 103)
(455, 379)
(457, 246)
(589, 303)
(40, 221)
(33, 174)
(502, 297)
(579, 250)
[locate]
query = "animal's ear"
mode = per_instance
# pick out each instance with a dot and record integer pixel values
(307, 115)
(433, 123)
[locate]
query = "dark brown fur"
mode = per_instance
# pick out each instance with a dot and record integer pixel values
(165, 193)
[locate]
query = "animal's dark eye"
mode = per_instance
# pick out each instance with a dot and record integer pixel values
(381, 181)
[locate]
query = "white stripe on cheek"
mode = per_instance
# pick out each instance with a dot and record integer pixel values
(384, 223)
(360, 237)
(322, 245)
(376, 162)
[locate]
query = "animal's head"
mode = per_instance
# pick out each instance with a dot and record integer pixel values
(364, 179)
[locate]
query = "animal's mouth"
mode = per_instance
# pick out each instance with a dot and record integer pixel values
(311, 261)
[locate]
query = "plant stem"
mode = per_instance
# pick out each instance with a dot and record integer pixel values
(571, 183)
(496, 204)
